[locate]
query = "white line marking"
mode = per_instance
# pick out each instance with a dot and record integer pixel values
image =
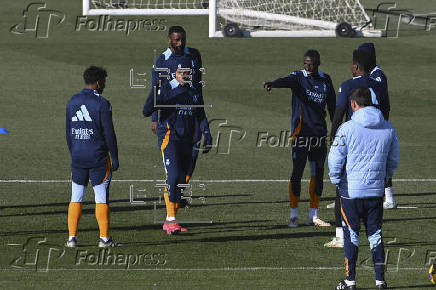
(196, 180)
(224, 269)
(407, 207)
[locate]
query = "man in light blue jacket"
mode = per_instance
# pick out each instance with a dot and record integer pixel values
(364, 154)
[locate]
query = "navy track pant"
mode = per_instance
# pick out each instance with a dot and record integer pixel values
(370, 211)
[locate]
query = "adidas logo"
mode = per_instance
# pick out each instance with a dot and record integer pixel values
(82, 115)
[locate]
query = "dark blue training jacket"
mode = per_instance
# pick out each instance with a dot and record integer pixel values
(310, 95)
(176, 122)
(89, 130)
(170, 61)
(343, 104)
(380, 76)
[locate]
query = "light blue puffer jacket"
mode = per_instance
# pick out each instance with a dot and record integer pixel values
(368, 147)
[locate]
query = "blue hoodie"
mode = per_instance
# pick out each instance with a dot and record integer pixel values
(367, 146)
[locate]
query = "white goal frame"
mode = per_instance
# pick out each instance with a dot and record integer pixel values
(212, 12)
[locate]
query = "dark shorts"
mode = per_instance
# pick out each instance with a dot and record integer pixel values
(97, 175)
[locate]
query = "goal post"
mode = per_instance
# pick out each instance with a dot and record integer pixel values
(254, 18)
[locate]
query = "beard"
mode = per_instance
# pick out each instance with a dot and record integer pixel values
(100, 90)
(179, 49)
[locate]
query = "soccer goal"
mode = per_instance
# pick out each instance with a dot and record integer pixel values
(254, 18)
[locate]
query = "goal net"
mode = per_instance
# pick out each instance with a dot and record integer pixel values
(293, 14)
(303, 17)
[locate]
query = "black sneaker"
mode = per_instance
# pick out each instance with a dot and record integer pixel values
(343, 286)
(183, 203)
(109, 244)
(382, 286)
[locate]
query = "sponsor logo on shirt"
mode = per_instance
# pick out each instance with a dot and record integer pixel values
(316, 97)
(82, 133)
(82, 115)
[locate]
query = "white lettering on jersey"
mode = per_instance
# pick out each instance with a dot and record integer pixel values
(82, 133)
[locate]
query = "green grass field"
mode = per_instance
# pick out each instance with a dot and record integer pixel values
(248, 244)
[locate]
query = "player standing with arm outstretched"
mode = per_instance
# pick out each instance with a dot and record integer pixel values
(312, 90)
(92, 143)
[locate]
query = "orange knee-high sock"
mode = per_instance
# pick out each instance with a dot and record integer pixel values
(167, 202)
(74, 213)
(171, 206)
(188, 178)
(314, 197)
(102, 213)
(293, 200)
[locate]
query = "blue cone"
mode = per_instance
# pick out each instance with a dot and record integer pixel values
(3, 131)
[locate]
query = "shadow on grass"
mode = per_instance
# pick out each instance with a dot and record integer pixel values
(156, 226)
(416, 194)
(223, 239)
(406, 287)
(408, 219)
(85, 211)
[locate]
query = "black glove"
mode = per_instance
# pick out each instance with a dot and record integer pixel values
(267, 86)
(115, 164)
(207, 143)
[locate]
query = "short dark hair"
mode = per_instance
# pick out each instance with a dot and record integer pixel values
(314, 55)
(94, 74)
(363, 59)
(176, 29)
(362, 96)
(370, 48)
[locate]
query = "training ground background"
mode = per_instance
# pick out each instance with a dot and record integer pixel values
(248, 244)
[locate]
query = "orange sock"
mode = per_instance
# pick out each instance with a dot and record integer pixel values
(293, 200)
(171, 206)
(314, 197)
(74, 213)
(188, 178)
(102, 213)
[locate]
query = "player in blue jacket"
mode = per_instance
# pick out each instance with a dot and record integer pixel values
(363, 155)
(92, 143)
(362, 64)
(312, 90)
(176, 136)
(164, 70)
(378, 74)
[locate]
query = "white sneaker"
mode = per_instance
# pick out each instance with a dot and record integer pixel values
(331, 205)
(390, 205)
(335, 243)
(316, 221)
(71, 243)
(293, 222)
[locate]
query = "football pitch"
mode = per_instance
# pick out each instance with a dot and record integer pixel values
(238, 236)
